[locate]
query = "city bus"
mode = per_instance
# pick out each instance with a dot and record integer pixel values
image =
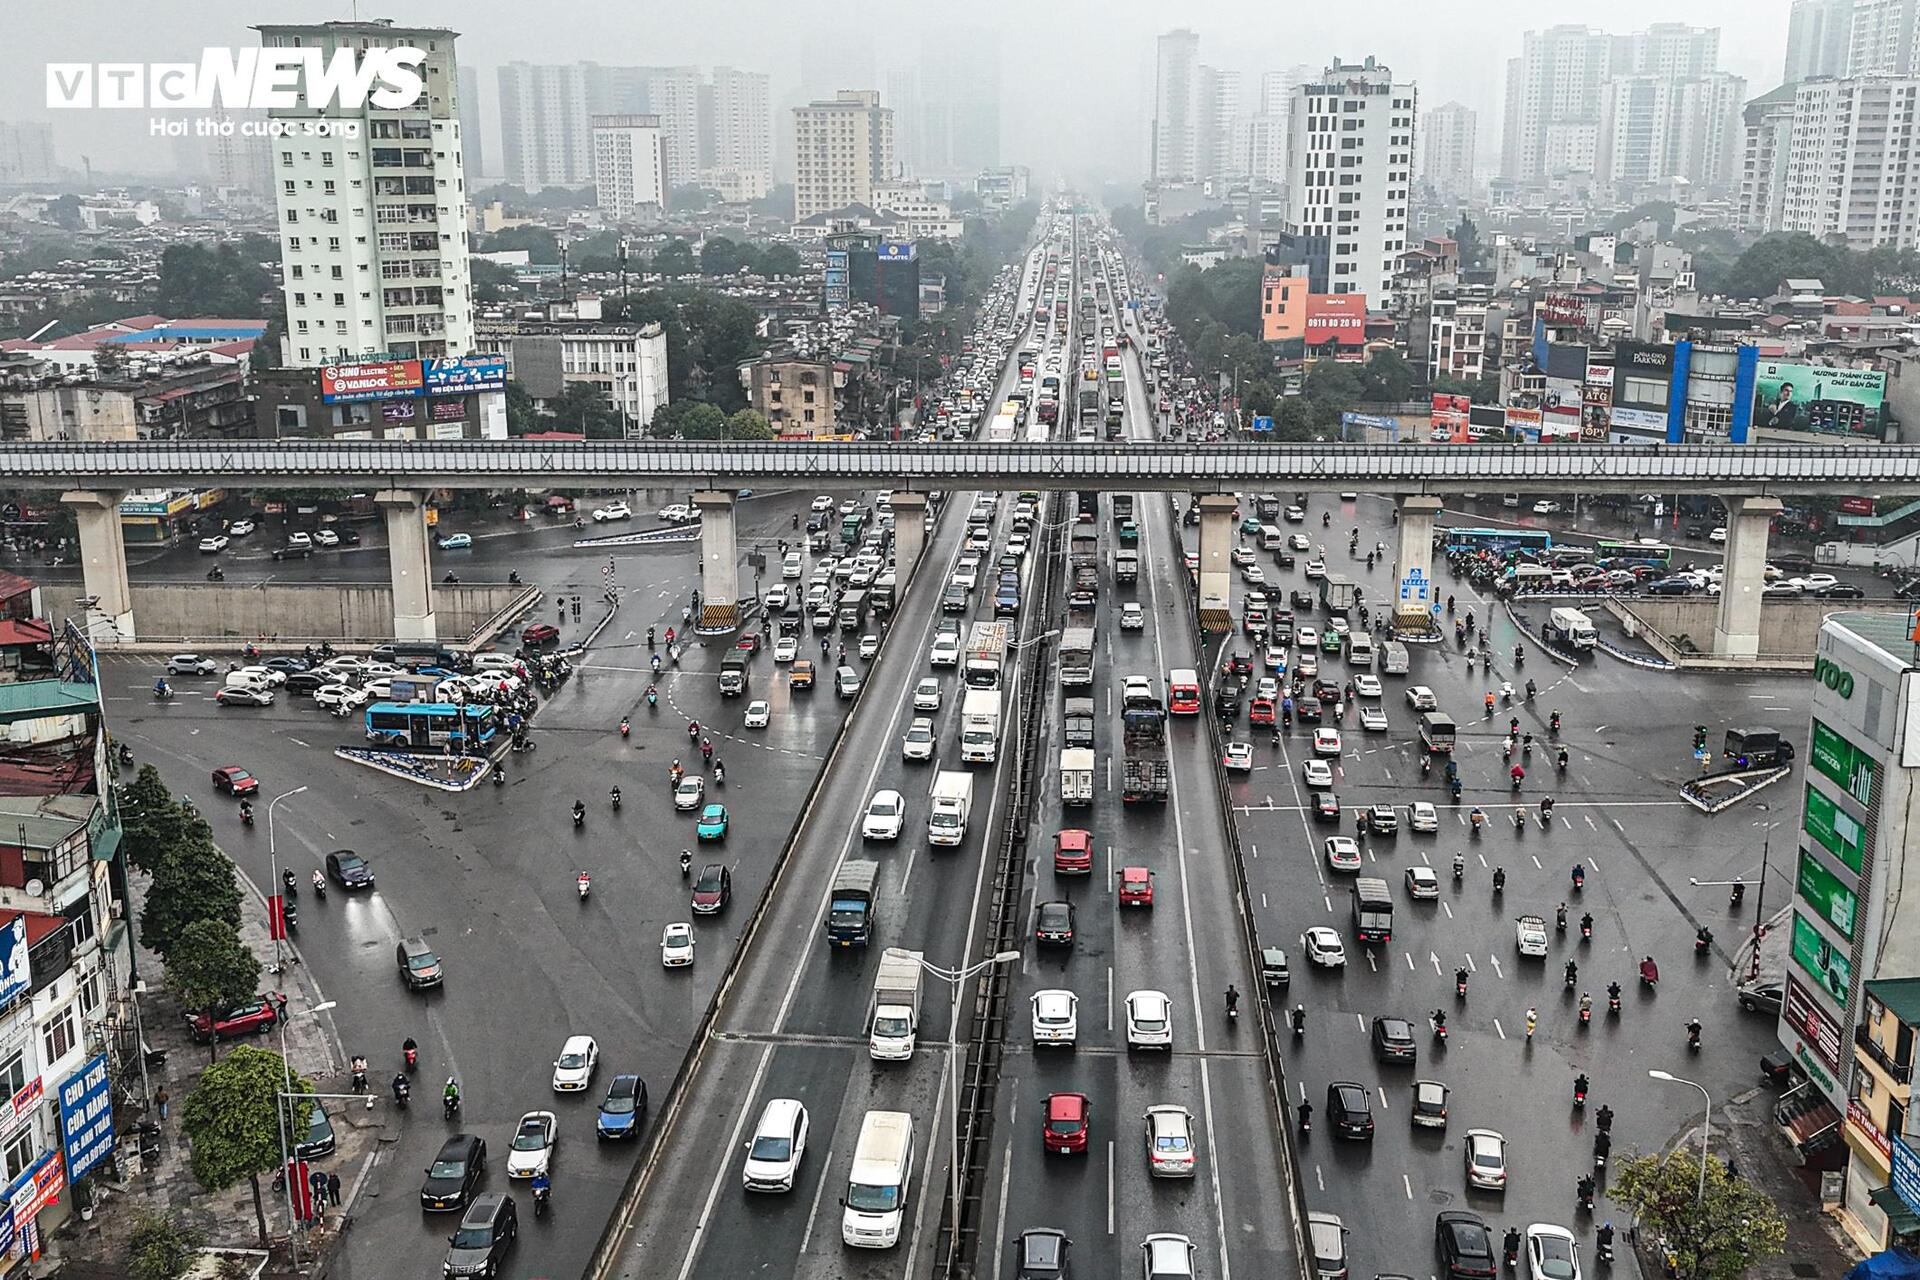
(852, 526)
(1657, 555)
(1501, 540)
(430, 726)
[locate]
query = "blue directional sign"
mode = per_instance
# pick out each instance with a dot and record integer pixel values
(1415, 586)
(1906, 1174)
(1262, 422)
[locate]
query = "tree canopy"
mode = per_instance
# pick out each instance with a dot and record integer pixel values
(232, 1120)
(209, 969)
(227, 280)
(193, 881)
(1771, 260)
(1715, 1238)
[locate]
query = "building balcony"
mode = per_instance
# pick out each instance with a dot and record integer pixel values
(1900, 1072)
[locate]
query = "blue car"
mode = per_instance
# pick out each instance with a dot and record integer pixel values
(620, 1110)
(456, 542)
(713, 823)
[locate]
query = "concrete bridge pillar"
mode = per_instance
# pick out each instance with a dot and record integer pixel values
(909, 536)
(719, 563)
(1412, 600)
(409, 562)
(103, 564)
(1736, 632)
(1216, 560)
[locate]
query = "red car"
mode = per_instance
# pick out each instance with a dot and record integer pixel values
(1073, 853)
(1069, 1116)
(235, 781)
(539, 633)
(1260, 711)
(256, 1017)
(1136, 887)
(749, 643)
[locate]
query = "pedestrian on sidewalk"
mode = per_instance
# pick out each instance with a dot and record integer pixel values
(333, 1189)
(160, 1100)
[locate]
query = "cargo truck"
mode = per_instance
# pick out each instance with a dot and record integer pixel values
(1338, 595)
(1570, 629)
(1144, 742)
(893, 1015)
(1126, 567)
(1076, 657)
(733, 674)
(1076, 776)
(951, 798)
(850, 904)
(985, 654)
(1372, 910)
(980, 726)
(1122, 507)
(1090, 404)
(1078, 726)
(1083, 557)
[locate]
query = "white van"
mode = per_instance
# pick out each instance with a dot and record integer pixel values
(254, 681)
(1270, 539)
(793, 566)
(1359, 650)
(878, 1184)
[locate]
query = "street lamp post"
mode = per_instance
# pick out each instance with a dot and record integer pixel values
(273, 864)
(1706, 1125)
(957, 980)
(281, 1117)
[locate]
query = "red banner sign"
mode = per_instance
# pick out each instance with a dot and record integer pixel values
(1857, 506)
(1337, 317)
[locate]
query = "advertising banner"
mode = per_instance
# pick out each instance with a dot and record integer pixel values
(463, 375)
(1600, 375)
(896, 252)
(449, 411)
(1857, 506)
(1563, 308)
(1643, 360)
(375, 380)
(1906, 1174)
(1641, 420)
(1839, 832)
(16, 974)
(397, 411)
(1449, 419)
(1827, 894)
(1813, 952)
(1596, 413)
(86, 1116)
(1801, 397)
(1844, 763)
(1525, 421)
(1336, 317)
(20, 1106)
(1805, 1015)
(1490, 417)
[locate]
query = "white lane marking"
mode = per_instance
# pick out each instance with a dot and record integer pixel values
(826, 1168)
(1497, 1027)
(1109, 1186)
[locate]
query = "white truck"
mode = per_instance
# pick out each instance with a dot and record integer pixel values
(1076, 776)
(893, 1016)
(952, 801)
(980, 726)
(1530, 936)
(985, 654)
(1570, 629)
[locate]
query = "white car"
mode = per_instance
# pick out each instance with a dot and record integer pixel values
(214, 545)
(1267, 687)
(1324, 948)
(532, 1146)
(1717, 534)
(1486, 1157)
(573, 1069)
(1326, 742)
(1812, 582)
(1373, 719)
(1339, 625)
(612, 511)
(849, 506)
(1422, 883)
(1343, 853)
(1166, 1256)
(927, 695)
(1132, 617)
(918, 742)
(677, 513)
(1307, 638)
(1552, 1253)
(240, 528)
(1149, 1020)
(945, 651)
(1241, 556)
(1238, 757)
(1056, 1017)
(1422, 816)
(1546, 507)
(1316, 773)
(676, 945)
(822, 503)
(689, 792)
(1299, 542)
(269, 674)
(343, 697)
(869, 645)
(1421, 698)
(786, 649)
(325, 538)
(1316, 569)
(1366, 684)
(886, 814)
(1169, 1142)
(778, 595)
(779, 1139)
(759, 714)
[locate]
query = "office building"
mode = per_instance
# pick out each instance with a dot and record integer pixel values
(909, 121)
(630, 175)
(1447, 136)
(373, 227)
(1175, 131)
(625, 363)
(1349, 171)
(742, 164)
(26, 153)
(1880, 38)
(544, 137)
(959, 86)
(1221, 123)
(1003, 188)
(1841, 160)
(842, 148)
(1818, 35)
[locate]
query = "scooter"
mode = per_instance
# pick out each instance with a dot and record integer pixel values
(585, 884)
(450, 1105)
(579, 815)
(625, 728)
(1603, 1244)
(1439, 1028)
(686, 864)
(401, 1092)
(541, 1195)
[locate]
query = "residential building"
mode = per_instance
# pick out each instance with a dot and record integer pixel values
(26, 153)
(1175, 131)
(473, 158)
(630, 167)
(1655, 126)
(841, 148)
(1456, 331)
(1767, 126)
(373, 226)
(915, 214)
(1851, 167)
(674, 95)
(1003, 188)
(1880, 38)
(958, 86)
(1818, 36)
(544, 139)
(1267, 148)
(1350, 169)
(1447, 136)
(196, 398)
(910, 151)
(742, 163)
(626, 363)
(1880, 1110)
(1283, 302)
(800, 397)
(1220, 137)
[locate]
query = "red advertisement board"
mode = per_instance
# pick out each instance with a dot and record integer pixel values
(1449, 419)
(1337, 317)
(1857, 506)
(378, 380)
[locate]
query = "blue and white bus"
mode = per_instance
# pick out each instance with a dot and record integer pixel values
(1500, 540)
(1618, 555)
(430, 726)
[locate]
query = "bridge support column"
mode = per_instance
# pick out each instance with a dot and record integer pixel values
(1216, 560)
(1736, 632)
(409, 563)
(103, 564)
(719, 563)
(1412, 600)
(909, 536)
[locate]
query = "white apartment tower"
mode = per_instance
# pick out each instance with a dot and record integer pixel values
(742, 134)
(1818, 33)
(1880, 37)
(373, 228)
(544, 140)
(1656, 126)
(1768, 123)
(673, 94)
(842, 148)
(630, 175)
(1220, 128)
(1851, 167)
(1175, 131)
(1349, 170)
(1447, 136)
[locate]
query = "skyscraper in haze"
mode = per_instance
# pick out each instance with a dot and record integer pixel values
(842, 147)
(1817, 36)
(673, 94)
(1175, 138)
(742, 133)
(1447, 135)
(957, 132)
(909, 118)
(475, 160)
(1880, 37)
(544, 137)
(630, 168)
(1349, 171)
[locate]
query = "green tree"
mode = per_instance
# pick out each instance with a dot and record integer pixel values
(210, 970)
(674, 259)
(150, 821)
(1387, 377)
(720, 256)
(778, 260)
(690, 420)
(1717, 1237)
(582, 407)
(491, 281)
(1466, 236)
(522, 415)
(232, 1120)
(160, 1249)
(539, 243)
(217, 280)
(1293, 420)
(1771, 260)
(194, 881)
(748, 424)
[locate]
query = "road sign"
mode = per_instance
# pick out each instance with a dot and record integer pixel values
(1415, 586)
(1262, 422)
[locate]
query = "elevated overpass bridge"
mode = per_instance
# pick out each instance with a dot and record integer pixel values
(1750, 479)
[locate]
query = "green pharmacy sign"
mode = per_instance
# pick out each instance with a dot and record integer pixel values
(1843, 762)
(1827, 894)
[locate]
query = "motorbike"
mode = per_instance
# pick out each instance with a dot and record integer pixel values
(1693, 1036)
(719, 774)
(1603, 1244)
(499, 777)
(1553, 722)
(513, 580)
(216, 574)
(401, 1092)
(161, 693)
(1580, 1093)
(359, 1075)
(1438, 1022)
(289, 883)
(319, 886)
(541, 1195)
(1459, 868)
(1299, 1020)
(1649, 973)
(126, 754)
(1586, 928)
(1579, 878)
(1613, 1000)
(1585, 1193)
(290, 915)
(1519, 656)
(585, 884)
(1738, 895)
(450, 1105)
(1499, 880)
(579, 814)
(1560, 919)
(411, 1052)
(653, 699)
(614, 795)
(1703, 941)
(626, 727)
(246, 816)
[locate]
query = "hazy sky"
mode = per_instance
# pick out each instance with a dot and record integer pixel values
(1076, 75)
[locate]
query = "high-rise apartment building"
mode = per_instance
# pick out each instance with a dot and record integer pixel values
(1175, 132)
(1349, 171)
(1220, 133)
(959, 103)
(1447, 136)
(474, 160)
(742, 165)
(1267, 148)
(673, 94)
(544, 137)
(1880, 37)
(630, 167)
(373, 227)
(1851, 166)
(26, 153)
(1656, 126)
(1817, 38)
(1768, 127)
(842, 147)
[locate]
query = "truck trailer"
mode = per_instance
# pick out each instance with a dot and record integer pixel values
(893, 1015)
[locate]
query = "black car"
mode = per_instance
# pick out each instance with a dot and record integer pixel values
(1301, 600)
(1308, 709)
(285, 665)
(349, 870)
(1053, 923)
(306, 681)
(1226, 697)
(1326, 807)
(1326, 690)
(1463, 1245)
(1350, 1110)
(1041, 1254)
(1382, 820)
(1239, 664)
(320, 1137)
(487, 1230)
(454, 1173)
(1393, 1040)
(1841, 591)
(419, 966)
(1670, 587)
(293, 553)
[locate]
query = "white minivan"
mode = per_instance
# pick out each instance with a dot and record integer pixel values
(877, 1186)
(793, 566)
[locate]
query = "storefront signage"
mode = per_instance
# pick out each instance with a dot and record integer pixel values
(1906, 1174)
(1838, 831)
(86, 1116)
(1827, 894)
(21, 1105)
(1818, 398)
(1843, 762)
(1861, 1121)
(1834, 676)
(1804, 1014)
(1823, 962)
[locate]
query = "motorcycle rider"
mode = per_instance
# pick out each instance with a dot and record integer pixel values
(401, 1088)
(1233, 1000)
(450, 1096)
(1460, 980)
(161, 689)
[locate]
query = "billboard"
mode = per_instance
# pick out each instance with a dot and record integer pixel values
(86, 1116)
(1525, 421)
(1803, 397)
(1596, 412)
(1827, 894)
(375, 380)
(889, 252)
(15, 973)
(1449, 418)
(463, 375)
(1563, 308)
(1337, 317)
(1839, 832)
(1825, 963)
(1805, 1015)
(1842, 762)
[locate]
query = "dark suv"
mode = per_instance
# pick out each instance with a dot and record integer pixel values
(454, 1173)
(1464, 1246)
(487, 1230)
(418, 964)
(1393, 1040)
(349, 870)
(1349, 1110)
